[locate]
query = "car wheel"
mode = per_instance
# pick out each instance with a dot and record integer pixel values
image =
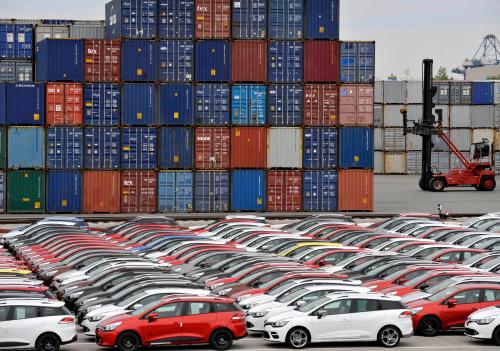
(429, 326)
(221, 340)
(297, 338)
(496, 336)
(128, 342)
(389, 336)
(48, 342)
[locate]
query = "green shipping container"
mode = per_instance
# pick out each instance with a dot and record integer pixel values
(3, 148)
(26, 192)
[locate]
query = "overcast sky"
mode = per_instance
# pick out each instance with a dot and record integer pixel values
(406, 31)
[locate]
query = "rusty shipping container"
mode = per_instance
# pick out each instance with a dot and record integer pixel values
(212, 148)
(321, 104)
(249, 61)
(101, 192)
(321, 61)
(284, 191)
(248, 147)
(64, 103)
(355, 190)
(213, 19)
(102, 60)
(138, 192)
(356, 105)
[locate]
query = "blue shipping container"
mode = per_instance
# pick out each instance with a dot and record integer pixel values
(211, 191)
(16, 41)
(131, 19)
(64, 148)
(64, 191)
(482, 93)
(102, 104)
(285, 61)
(176, 148)
(320, 148)
(3, 103)
(249, 104)
(356, 148)
(212, 104)
(102, 148)
(176, 104)
(26, 147)
(139, 148)
(59, 60)
(357, 62)
(139, 61)
(322, 19)
(139, 104)
(248, 190)
(285, 19)
(176, 60)
(249, 19)
(213, 61)
(175, 191)
(2, 191)
(176, 19)
(25, 104)
(320, 191)
(285, 105)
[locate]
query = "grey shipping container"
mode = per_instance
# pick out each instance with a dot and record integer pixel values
(378, 115)
(378, 162)
(439, 144)
(394, 92)
(497, 162)
(442, 96)
(460, 93)
(482, 116)
(496, 116)
(496, 93)
(284, 148)
(378, 139)
(455, 162)
(440, 162)
(393, 116)
(460, 116)
(414, 162)
(413, 142)
(461, 138)
(414, 92)
(87, 30)
(414, 112)
(446, 114)
(394, 139)
(51, 32)
(379, 92)
(2, 191)
(16, 71)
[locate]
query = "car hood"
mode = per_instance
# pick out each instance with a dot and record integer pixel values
(104, 309)
(257, 299)
(486, 312)
(286, 315)
(417, 295)
(119, 318)
(266, 306)
(419, 303)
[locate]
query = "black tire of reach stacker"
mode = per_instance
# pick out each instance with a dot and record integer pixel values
(421, 183)
(437, 184)
(487, 184)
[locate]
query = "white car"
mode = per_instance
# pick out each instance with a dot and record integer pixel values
(40, 324)
(351, 261)
(342, 317)
(484, 324)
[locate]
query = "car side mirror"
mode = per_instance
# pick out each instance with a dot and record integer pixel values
(322, 263)
(321, 313)
(137, 306)
(152, 317)
(423, 287)
(256, 284)
(451, 303)
(300, 303)
(402, 281)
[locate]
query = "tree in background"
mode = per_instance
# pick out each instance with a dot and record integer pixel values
(442, 74)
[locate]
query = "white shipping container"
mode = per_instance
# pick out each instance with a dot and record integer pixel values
(414, 163)
(482, 116)
(394, 92)
(414, 112)
(446, 114)
(378, 115)
(414, 92)
(440, 162)
(395, 163)
(460, 116)
(379, 92)
(284, 148)
(496, 97)
(378, 162)
(51, 32)
(479, 134)
(461, 138)
(439, 144)
(496, 143)
(496, 116)
(394, 139)
(378, 139)
(393, 116)
(455, 162)
(413, 142)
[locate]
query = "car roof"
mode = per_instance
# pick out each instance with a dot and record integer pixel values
(187, 298)
(369, 295)
(31, 302)
(478, 286)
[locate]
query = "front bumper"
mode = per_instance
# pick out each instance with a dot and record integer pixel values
(476, 331)
(89, 327)
(255, 325)
(273, 334)
(106, 339)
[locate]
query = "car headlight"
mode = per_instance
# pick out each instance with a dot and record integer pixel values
(279, 324)
(416, 310)
(111, 326)
(75, 295)
(484, 321)
(224, 292)
(96, 318)
(259, 314)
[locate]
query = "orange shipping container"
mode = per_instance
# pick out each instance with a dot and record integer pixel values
(249, 61)
(248, 147)
(284, 191)
(320, 104)
(64, 103)
(356, 105)
(212, 148)
(101, 192)
(138, 192)
(102, 60)
(213, 19)
(355, 190)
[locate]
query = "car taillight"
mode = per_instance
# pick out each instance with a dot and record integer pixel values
(67, 320)
(238, 317)
(406, 314)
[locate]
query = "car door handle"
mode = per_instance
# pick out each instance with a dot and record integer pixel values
(178, 324)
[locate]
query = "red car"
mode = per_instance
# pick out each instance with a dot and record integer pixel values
(176, 320)
(453, 256)
(330, 257)
(450, 308)
(399, 277)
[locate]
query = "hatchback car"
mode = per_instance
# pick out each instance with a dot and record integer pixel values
(484, 324)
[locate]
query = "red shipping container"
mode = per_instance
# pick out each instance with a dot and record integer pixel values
(102, 60)
(64, 103)
(138, 192)
(284, 191)
(355, 190)
(356, 105)
(321, 104)
(249, 147)
(101, 192)
(321, 61)
(212, 148)
(249, 61)
(213, 19)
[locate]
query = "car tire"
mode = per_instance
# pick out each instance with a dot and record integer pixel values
(128, 342)
(221, 340)
(48, 342)
(389, 336)
(298, 338)
(429, 326)
(496, 336)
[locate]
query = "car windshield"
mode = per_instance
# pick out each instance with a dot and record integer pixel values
(443, 294)
(489, 264)
(252, 276)
(417, 279)
(438, 287)
(313, 305)
(131, 299)
(144, 309)
(280, 288)
(291, 297)
(271, 282)
(484, 243)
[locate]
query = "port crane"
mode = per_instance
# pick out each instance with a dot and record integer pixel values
(487, 54)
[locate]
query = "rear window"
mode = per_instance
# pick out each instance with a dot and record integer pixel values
(54, 311)
(391, 305)
(225, 307)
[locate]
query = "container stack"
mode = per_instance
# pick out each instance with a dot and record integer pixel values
(471, 113)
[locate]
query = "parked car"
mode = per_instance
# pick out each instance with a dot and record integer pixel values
(484, 324)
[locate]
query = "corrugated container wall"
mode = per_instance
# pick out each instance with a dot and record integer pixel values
(102, 148)
(414, 163)
(395, 163)
(49, 31)
(64, 191)
(320, 148)
(496, 92)
(101, 192)
(176, 60)
(415, 113)
(378, 115)
(3, 195)
(284, 191)
(322, 19)
(414, 92)
(378, 138)
(249, 61)
(321, 61)
(212, 104)
(356, 190)
(64, 148)
(442, 95)
(461, 138)
(3, 103)
(138, 192)
(497, 162)
(482, 93)
(496, 116)
(131, 19)
(248, 190)
(211, 191)
(284, 148)
(438, 143)
(213, 61)
(213, 19)
(378, 162)
(321, 104)
(496, 138)
(460, 116)
(356, 105)
(248, 147)
(102, 104)
(379, 92)
(139, 61)
(139, 104)
(460, 93)
(478, 135)
(249, 20)
(176, 104)
(394, 92)
(59, 60)
(440, 162)
(139, 148)
(26, 104)
(482, 116)
(285, 19)
(248, 104)
(413, 142)
(446, 114)
(357, 62)
(102, 60)
(393, 116)
(3, 148)
(64, 103)
(176, 19)
(320, 191)
(26, 191)
(32, 152)
(176, 148)
(212, 148)
(285, 61)
(356, 147)
(175, 191)
(394, 139)
(16, 41)
(87, 31)
(285, 105)
(16, 71)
